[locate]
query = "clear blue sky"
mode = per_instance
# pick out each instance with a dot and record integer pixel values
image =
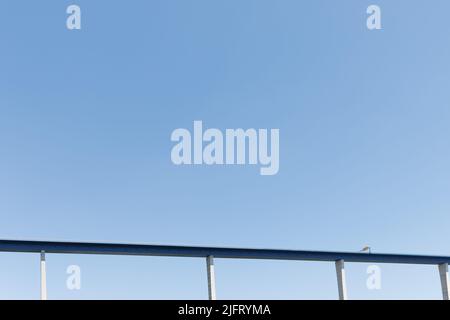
(86, 118)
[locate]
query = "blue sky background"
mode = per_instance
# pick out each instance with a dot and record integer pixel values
(86, 118)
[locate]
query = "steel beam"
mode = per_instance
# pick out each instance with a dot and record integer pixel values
(211, 277)
(443, 273)
(43, 277)
(341, 280)
(203, 252)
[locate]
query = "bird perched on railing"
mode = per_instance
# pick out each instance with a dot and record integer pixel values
(366, 249)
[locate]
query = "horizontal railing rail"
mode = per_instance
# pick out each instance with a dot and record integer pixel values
(209, 253)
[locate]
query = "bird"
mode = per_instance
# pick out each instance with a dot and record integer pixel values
(366, 249)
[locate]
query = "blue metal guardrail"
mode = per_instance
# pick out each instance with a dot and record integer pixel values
(210, 253)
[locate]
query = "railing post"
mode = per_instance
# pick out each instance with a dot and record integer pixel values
(43, 277)
(342, 285)
(211, 277)
(443, 273)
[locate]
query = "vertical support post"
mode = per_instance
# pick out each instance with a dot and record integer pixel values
(43, 277)
(443, 273)
(342, 284)
(211, 277)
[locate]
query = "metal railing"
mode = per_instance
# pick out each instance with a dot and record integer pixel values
(209, 253)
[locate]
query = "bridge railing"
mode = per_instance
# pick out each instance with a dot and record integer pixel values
(209, 253)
